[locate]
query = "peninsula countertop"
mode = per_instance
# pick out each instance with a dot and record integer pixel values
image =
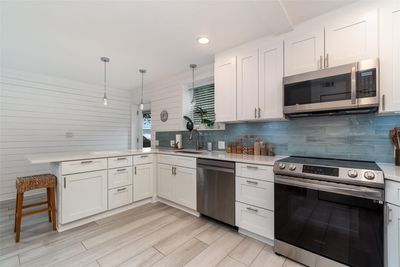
(218, 155)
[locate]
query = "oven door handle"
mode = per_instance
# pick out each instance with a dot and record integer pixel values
(336, 188)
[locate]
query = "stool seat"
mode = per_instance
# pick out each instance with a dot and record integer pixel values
(27, 183)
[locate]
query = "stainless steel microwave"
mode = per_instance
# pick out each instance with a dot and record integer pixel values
(350, 88)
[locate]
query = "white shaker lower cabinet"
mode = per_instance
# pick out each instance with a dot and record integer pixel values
(142, 181)
(177, 180)
(83, 195)
(185, 187)
(393, 235)
(165, 181)
(255, 199)
(392, 198)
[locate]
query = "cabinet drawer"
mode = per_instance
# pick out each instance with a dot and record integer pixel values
(86, 165)
(120, 196)
(119, 177)
(255, 192)
(255, 171)
(187, 162)
(117, 162)
(142, 159)
(392, 192)
(255, 220)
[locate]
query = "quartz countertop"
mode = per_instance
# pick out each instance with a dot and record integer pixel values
(391, 171)
(218, 155)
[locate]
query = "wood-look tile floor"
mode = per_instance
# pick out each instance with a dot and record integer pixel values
(150, 235)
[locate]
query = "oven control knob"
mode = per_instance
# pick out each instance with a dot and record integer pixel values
(369, 175)
(282, 165)
(292, 167)
(352, 173)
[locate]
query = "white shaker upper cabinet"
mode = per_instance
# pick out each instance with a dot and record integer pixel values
(225, 89)
(247, 85)
(270, 97)
(390, 58)
(351, 38)
(304, 52)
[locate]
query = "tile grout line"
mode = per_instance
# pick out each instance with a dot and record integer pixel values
(160, 251)
(257, 255)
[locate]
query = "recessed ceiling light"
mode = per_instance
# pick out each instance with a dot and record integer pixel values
(203, 40)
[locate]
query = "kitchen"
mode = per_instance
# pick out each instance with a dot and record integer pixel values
(265, 135)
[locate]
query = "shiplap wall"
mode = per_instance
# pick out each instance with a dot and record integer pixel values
(168, 95)
(37, 111)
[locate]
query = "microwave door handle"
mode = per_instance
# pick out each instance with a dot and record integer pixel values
(353, 85)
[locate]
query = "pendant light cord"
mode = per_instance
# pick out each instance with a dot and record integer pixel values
(105, 76)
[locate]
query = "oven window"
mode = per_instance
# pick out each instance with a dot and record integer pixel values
(329, 89)
(343, 228)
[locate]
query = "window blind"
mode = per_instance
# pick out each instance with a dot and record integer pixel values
(204, 97)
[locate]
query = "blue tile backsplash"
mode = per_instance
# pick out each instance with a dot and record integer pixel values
(360, 137)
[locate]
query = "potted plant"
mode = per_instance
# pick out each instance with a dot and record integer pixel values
(203, 117)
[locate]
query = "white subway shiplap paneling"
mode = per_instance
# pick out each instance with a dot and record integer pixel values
(36, 111)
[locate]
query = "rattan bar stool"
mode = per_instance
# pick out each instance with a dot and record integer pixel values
(28, 183)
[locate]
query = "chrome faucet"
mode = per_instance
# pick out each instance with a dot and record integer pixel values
(198, 146)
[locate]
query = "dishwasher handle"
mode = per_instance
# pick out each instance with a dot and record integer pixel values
(214, 168)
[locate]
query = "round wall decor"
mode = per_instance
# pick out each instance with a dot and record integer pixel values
(164, 116)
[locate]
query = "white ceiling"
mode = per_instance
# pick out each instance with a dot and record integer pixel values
(67, 39)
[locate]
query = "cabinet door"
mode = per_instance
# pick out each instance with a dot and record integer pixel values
(393, 236)
(165, 181)
(247, 85)
(142, 182)
(351, 39)
(304, 52)
(83, 195)
(185, 187)
(390, 59)
(225, 89)
(270, 81)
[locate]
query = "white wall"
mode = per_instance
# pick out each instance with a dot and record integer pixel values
(168, 95)
(37, 111)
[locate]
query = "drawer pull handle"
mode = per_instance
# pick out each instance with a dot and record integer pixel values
(121, 170)
(251, 182)
(121, 189)
(121, 158)
(135, 170)
(252, 167)
(86, 161)
(144, 156)
(252, 209)
(65, 182)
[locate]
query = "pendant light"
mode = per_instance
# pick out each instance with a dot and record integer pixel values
(105, 60)
(193, 66)
(142, 71)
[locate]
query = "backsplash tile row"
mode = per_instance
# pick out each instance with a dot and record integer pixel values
(360, 137)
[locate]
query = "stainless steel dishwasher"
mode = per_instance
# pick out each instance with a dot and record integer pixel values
(216, 189)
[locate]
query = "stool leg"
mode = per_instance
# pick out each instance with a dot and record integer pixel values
(15, 212)
(20, 197)
(53, 208)
(48, 203)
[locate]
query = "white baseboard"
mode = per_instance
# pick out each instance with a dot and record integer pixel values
(64, 227)
(177, 206)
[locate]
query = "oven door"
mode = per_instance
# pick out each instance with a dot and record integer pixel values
(330, 222)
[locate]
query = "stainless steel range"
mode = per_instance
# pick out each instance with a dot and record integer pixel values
(329, 212)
